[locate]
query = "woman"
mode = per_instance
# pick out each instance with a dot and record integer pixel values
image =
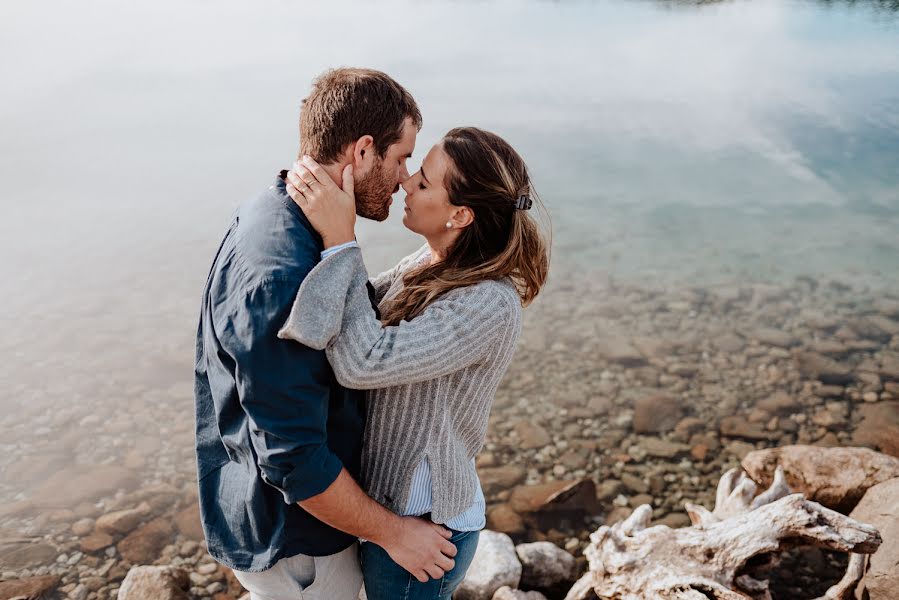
(450, 315)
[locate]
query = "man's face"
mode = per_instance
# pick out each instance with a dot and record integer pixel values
(375, 187)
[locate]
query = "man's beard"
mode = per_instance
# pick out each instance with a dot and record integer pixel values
(373, 193)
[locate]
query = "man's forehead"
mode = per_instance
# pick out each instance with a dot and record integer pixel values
(406, 144)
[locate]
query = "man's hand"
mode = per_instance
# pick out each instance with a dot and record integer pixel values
(417, 545)
(421, 547)
(330, 209)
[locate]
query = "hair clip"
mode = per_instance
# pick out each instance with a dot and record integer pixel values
(524, 202)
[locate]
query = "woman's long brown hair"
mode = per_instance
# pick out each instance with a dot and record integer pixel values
(488, 176)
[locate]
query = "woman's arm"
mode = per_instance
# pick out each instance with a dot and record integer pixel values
(332, 311)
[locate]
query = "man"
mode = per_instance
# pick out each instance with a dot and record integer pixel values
(278, 439)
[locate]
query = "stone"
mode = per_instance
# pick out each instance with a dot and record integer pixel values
(574, 459)
(880, 508)
(699, 451)
(74, 485)
(889, 367)
(729, 343)
(657, 413)
(877, 328)
(22, 554)
(495, 564)
(531, 436)
(95, 542)
(546, 567)
(30, 588)
(188, 523)
(688, 426)
(739, 448)
(503, 519)
(661, 448)
(887, 307)
(498, 479)
(830, 391)
(507, 593)
(675, 520)
(79, 593)
(829, 347)
(772, 337)
(736, 426)
(547, 505)
(654, 348)
(879, 427)
(155, 583)
(599, 405)
(608, 489)
(82, 527)
(621, 351)
(144, 544)
(826, 370)
(634, 483)
(122, 521)
(834, 477)
(780, 403)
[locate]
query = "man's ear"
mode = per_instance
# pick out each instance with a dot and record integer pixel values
(462, 216)
(363, 153)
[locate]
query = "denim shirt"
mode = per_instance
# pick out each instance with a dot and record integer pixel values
(273, 425)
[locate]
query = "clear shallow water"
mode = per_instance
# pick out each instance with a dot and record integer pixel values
(671, 141)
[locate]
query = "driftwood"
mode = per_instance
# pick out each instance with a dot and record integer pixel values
(632, 561)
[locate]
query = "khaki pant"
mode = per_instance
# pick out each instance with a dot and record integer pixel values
(301, 577)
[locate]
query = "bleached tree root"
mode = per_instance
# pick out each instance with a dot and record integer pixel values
(632, 561)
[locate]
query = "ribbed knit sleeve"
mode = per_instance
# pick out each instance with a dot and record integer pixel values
(333, 311)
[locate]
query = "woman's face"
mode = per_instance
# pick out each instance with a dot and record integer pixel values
(427, 201)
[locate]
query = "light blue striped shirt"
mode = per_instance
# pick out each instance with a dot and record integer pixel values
(420, 500)
(471, 519)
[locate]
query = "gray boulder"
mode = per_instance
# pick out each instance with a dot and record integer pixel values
(546, 567)
(495, 565)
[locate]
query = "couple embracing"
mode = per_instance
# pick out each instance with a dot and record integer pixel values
(332, 407)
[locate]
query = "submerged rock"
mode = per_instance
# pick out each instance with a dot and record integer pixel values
(657, 413)
(826, 370)
(143, 545)
(879, 427)
(30, 588)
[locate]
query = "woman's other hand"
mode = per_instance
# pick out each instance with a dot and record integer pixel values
(331, 210)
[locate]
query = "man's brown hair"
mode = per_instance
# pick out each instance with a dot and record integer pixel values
(346, 104)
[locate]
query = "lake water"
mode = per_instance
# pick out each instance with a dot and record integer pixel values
(673, 142)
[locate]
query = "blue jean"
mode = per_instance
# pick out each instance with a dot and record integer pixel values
(386, 580)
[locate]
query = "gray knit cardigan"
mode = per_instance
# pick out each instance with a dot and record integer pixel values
(431, 380)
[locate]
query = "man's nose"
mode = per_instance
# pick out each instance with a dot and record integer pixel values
(403, 175)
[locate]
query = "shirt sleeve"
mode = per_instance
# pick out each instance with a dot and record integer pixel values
(449, 335)
(334, 249)
(284, 389)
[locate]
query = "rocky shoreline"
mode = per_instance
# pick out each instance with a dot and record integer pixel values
(620, 395)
